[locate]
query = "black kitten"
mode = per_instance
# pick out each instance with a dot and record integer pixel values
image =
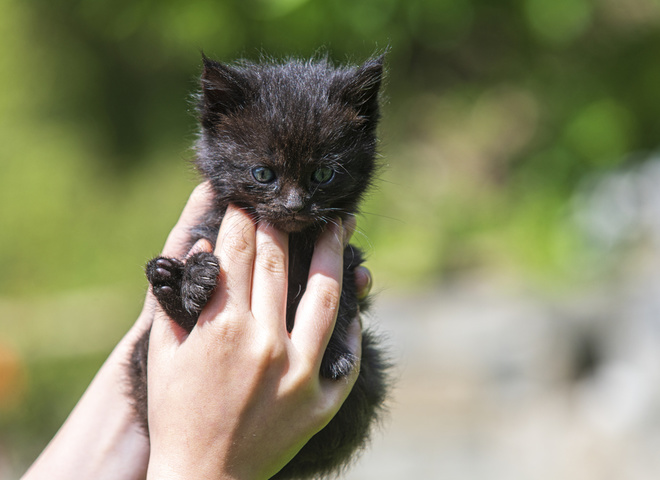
(293, 144)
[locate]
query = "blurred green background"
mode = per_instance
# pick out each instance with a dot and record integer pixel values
(495, 113)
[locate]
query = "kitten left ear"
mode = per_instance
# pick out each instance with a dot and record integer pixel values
(224, 88)
(360, 91)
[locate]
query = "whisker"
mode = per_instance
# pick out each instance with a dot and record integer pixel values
(379, 215)
(346, 170)
(364, 237)
(298, 292)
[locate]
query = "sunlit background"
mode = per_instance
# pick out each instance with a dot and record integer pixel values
(514, 235)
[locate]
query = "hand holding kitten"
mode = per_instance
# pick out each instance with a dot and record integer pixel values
(100, 438)
(239, 396)
(293, 144)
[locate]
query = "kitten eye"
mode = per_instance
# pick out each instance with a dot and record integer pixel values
(263, 174)
(323, 175)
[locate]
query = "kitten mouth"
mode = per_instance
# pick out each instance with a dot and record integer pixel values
(295, 224)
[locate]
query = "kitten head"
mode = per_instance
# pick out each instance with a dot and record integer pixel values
(294, 143)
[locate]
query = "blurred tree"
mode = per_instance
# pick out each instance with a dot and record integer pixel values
(115, 78)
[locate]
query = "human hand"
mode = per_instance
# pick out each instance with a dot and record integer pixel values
(239, 396)
(121, 451)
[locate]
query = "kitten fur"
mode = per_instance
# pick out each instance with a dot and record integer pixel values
(294, 144)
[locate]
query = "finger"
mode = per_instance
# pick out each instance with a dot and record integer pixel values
(363, 282)
(317, 312)
(269, 278)
(177, 241)
(202, 245)
(349, 228)
(235, 249)
(166, 335)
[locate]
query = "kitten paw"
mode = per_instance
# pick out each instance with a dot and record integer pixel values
(200, 277)
(165, 275)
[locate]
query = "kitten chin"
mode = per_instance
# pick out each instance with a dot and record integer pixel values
(295, 223)
(292, 143)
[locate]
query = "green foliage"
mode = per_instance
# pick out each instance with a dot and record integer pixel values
(96, 118)
(491, 109)
(559, 22)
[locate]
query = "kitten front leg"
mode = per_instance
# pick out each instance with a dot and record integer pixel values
(182, 289)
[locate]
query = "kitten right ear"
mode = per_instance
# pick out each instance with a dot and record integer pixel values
(224, 88)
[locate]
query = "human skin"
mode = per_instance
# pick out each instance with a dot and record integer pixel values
(100, 439)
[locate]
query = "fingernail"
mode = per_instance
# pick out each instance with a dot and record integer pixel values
(364, 291)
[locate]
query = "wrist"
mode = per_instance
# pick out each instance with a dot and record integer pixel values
(185, 469)
(177, 462)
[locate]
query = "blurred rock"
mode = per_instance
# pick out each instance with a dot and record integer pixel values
(498, 382)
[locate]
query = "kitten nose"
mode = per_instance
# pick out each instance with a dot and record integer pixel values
(294, 202)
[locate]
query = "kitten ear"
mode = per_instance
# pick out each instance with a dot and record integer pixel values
(360, 89)
(224, 88)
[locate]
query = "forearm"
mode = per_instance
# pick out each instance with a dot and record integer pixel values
(100, 439)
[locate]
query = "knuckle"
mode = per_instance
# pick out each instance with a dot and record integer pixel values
(306, 377)
(268, 351)
(237, 248)
(328, 296)
(271, 259)
(275, 351)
